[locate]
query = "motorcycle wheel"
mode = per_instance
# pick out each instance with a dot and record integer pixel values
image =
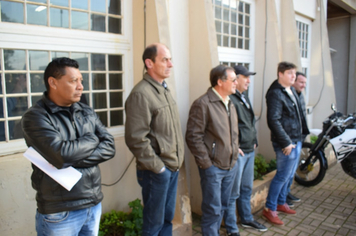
(314, 173)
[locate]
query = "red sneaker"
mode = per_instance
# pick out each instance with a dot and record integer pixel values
(272, 216)
(285, 209)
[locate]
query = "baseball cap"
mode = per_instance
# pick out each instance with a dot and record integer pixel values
(241, 70)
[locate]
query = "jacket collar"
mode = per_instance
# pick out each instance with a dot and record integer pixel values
(54, 107)
(159, 88)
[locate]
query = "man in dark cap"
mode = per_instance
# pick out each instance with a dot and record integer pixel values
(243, 183)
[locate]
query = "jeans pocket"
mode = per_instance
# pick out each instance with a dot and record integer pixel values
(56, 217)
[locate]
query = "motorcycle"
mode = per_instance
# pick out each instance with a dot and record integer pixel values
(339, 131)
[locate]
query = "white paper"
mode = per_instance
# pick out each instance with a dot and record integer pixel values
(67, 177)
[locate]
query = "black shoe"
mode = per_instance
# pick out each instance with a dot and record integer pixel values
(290, 203)
(292, 198)
(233, 234)
(255, 225)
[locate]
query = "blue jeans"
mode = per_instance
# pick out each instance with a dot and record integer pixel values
(159, 199)
(241, 191)
(216, 185)
(296, 164)
(278, 189)
(84, 222)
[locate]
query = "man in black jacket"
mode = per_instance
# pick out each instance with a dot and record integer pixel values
(67, 133)
(243, 183)
(287, 124)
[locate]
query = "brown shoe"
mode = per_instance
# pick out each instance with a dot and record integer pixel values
(285, 209)
(272, 216)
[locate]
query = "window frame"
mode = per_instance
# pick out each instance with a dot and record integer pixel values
(43, 38)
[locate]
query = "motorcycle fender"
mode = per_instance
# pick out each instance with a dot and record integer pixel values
(324, 162)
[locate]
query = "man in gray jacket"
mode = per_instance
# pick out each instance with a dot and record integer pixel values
(243, 183)
(153, 135)
(212, 137)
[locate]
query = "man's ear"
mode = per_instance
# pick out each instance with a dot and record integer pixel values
(52, 82)
(149, 63)
(219, 82)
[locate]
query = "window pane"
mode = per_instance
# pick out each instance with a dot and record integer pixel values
(226, 41)
(240, 42)
(82, 59)
(115, 62)
(63, 3)
(37, 83)
(116, 99)
(34, 99)
(99, 100)
(241, 6)
(15, 83)
(226, 28)
(38, 60)
(117, 118)
(85, 81)
(114, 25)
(233, 42)
(14, 59)
(247, 44)
(247, 8)
(97, 5)
(241, 19)
(241, 30)
(81, 4)
(79, 20)
(218, 12)
(103, 116)
(233, 16)
(59, 17)
(97, 61)
(218, 26)
(226, 15)
(85, 98)
(114, 7)
(15, 129)
(36, 14)
(16, 106)
(115, 81)
(233, 29)
(247, 20)
(218, 36)
(98, 81)
(97, 23)
(59, 54)
(2, 128)
(12, 12)
(247, 32)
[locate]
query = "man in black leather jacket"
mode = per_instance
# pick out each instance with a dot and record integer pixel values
(67, 133)
(287, 124)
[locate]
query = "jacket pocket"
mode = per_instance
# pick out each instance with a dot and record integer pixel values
(213, 150)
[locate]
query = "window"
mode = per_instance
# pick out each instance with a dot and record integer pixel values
(22, 85)
(303, 35)
(99, 15)
(103, 51)
(232, 23)
(232, 64)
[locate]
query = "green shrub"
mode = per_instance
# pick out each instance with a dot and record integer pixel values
(313, 139)
(119, 223)
(262, 167)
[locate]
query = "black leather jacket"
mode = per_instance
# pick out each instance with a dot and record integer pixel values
(67, 137)
(286, 123)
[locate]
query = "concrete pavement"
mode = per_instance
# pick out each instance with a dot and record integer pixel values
(326, 209)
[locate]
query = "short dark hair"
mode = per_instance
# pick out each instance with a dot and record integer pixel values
(219, 72)
(283, 66)
(56, 68)
(149, 53)
(299, 73)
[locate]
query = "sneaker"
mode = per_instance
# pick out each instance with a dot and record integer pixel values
(255, 225)
(233, 234)
(272, 216)
(285, 209)
(290, 203)
(292, 198)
